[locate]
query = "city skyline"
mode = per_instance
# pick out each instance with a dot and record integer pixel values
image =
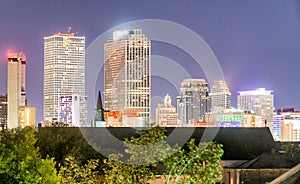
(256, 42)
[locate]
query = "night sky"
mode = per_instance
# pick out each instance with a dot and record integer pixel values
(256, 42)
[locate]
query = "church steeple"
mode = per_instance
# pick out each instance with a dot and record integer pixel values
(99, 103)
(99, 109)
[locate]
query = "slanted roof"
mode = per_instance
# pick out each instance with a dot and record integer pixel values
(238, 143)
(272, 160)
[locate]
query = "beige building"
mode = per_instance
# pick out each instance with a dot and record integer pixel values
(27, 116)
(127, 73)
(64, 72)
(15, 87)
(290, 127)
(166, 115)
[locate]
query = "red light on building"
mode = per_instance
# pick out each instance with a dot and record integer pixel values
(23, 57)
(12, 54)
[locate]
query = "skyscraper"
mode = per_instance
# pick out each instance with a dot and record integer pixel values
(259, 101)
(220, 96)
(127, 73)
(15, 87)
(193, 101)
(3, 112)
(166, 115)
(64, 72)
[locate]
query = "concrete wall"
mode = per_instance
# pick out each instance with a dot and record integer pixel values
(251, 176)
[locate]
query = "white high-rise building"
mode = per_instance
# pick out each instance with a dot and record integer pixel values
(220, 96)
(16, 96)
(259, 101)
(64, 72)
(166, 115)
(193, 101)
(127, 73)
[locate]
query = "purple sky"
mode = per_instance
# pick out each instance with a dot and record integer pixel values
(257, 42)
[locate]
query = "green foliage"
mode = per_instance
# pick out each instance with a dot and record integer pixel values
(73, 173)
(119, 172)
(20, 161)
(200, 164)
(61, 143)
(144, 153)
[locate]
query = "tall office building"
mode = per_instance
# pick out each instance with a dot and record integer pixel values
(259, 101)
(64, 72)
(193, 101)
(220, 96)
(3, 112)
(166, 115)
(15, 87)
(127, 73)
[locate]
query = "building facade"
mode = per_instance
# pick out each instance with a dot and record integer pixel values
(290, 126)
(64, 73)
(27, 116)
(278, 118)
(193, 101)
(233, 118)
(15, 87)
(220, 96)
(3, 112)
(259, 101)
(69, 110)
(127, 73)
(166, 115)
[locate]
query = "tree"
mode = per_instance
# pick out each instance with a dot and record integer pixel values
(144, 153)
(196, 164)
(20, 161)
(73, 173)
(199, 164)
(61, 143)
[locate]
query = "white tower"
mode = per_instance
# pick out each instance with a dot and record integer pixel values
(64, 72)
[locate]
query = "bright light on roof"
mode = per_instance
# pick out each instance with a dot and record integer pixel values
(119, 34)
(257, 91)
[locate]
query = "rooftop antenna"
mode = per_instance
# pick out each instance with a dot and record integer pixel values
(69, 29)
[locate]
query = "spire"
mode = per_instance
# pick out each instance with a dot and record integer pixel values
(99, 109)
(99, 103)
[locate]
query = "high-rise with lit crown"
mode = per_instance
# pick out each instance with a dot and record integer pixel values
(16, 95)
(220, 96)
(259, 101)
(127, 73)
(64, 72)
